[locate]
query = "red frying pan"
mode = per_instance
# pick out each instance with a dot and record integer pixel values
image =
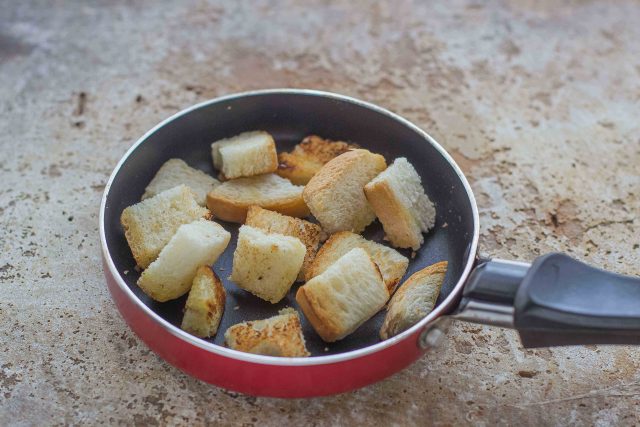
(554, 301)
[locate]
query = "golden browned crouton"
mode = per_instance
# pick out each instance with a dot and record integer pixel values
(280, 335)
(308, 157)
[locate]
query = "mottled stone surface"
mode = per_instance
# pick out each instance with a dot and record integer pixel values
(537, 101)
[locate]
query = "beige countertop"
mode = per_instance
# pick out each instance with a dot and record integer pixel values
(537, 101)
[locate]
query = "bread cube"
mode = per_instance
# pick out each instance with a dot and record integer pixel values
(392, 264)
(193, 245)
(335, 195)
(344, 296)
(205, 304)
(279, 336)
(231, 200)
(266, 264)
(414, 299)
(175, 172)
(247, 154)
(150, 224)
(273, 222)
(399, 201)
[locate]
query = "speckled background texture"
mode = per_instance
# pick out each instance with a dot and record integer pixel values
(538, 101)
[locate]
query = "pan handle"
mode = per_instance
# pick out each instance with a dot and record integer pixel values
(555, 301)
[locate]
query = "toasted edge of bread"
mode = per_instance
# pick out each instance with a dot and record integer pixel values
(400, 202)
(266, 264)
(321, 303)
(149, 225)
(171, 275)
(393, 265)
(335, 195)
(205, 304)
(234, 209)
(279, 336)
(323, 326)
(274, 222)
(307, 158)
(414, 299)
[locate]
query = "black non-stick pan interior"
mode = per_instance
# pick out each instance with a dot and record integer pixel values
(289, 117)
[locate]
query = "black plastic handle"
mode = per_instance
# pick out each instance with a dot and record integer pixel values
(562, 301)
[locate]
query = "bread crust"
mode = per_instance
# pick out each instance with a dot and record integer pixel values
(274, 222)
(204, 321)
(398, 316)
(320, 193)
(333, 170)
(194, 244)
(437, 268)
(321, 317)
(236, 211)
(279, 336)
(396, 222)
(230, 206)
(328, 331)
(335, 240)
(307, 158)
(143, 221)
(266, 264)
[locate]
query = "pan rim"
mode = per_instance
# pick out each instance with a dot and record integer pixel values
(293, 361)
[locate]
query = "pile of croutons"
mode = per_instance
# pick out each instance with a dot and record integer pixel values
(347, 278)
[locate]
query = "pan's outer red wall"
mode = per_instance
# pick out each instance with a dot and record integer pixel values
(259, 379)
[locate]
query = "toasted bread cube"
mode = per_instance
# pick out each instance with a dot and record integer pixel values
(231, 200)
(205, 304)
(279, 336)
(335, 195)
(150, 224)
(247, 154)
(415, 298)
(273, 222)
(175, 172)
(171, 275)
(344, 296)
(266, 264)
(308, 157)
(399, 201)
(392, 264)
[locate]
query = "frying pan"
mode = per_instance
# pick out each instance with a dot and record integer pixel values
(553, 301)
